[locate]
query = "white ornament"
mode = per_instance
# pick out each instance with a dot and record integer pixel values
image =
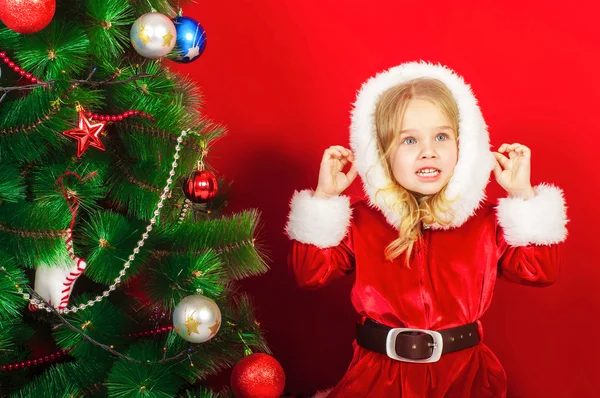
(197, 318)
(153, 35)
(54, 283)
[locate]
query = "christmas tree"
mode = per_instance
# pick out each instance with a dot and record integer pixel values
(117, 262)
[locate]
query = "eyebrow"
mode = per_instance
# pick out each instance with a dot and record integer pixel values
(414, 131)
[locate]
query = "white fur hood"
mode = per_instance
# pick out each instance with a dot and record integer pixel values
(475, 160)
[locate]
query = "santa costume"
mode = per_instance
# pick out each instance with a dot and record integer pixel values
(453, 269)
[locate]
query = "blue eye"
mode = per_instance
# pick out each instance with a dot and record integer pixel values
(442, 137)
(409, 141)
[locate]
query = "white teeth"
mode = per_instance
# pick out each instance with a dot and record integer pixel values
(428, 172)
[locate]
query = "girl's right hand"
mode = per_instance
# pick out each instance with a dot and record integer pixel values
(332, 180)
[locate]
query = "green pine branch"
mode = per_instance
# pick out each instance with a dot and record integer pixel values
(201, 393)
(174, 277)
(33, 234)
(107, 241)
(232, 237)
(109, 28)
(103, 322)
(11, 302)
(12, 187)
(57, 52)
(130, 379)
(69, 380)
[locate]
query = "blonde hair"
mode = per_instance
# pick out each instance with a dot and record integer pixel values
(415, 209)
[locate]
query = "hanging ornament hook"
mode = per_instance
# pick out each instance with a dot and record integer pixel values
(152, 9)
(201, 166)
(247, 350)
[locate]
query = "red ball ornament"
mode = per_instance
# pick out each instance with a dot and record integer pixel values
(258, 376)
(27, 16)
(201, 187)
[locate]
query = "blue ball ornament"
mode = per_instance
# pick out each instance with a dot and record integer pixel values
(191, 40)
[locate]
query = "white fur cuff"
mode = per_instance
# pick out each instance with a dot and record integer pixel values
(318, 221)
(540, 220)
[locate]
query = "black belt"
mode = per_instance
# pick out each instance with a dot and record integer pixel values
(415, 345)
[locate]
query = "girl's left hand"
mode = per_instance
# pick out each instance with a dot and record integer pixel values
(513, 173)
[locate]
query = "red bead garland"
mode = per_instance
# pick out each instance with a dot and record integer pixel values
(60, 353)
(18, 69)
(118, 118)
(164, 329)
(33, 362)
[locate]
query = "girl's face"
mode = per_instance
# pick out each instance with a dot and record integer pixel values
(426, 151)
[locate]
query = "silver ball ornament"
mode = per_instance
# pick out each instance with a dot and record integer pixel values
(153, 35)
(197, 319)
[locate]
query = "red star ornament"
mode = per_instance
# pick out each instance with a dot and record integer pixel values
(87, 134)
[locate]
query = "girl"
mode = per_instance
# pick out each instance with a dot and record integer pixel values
(427, 247)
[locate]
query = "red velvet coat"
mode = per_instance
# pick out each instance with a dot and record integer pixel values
(450, 283)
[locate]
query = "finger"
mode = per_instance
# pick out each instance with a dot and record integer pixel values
(336, 151)
(519, 150)
(508, 147)
(502, 160)
(523, 150)
(352, 173)
(512, 147)
(497, 169)
(341, 147)
(332, 153)
(344, 151)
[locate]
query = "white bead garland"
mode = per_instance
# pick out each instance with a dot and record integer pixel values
(186, 206)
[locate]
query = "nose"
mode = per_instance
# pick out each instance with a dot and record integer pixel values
(428, 151)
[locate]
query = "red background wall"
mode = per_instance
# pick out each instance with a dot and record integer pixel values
(281, 75)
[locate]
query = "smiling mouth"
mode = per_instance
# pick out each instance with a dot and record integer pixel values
(428, 172)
